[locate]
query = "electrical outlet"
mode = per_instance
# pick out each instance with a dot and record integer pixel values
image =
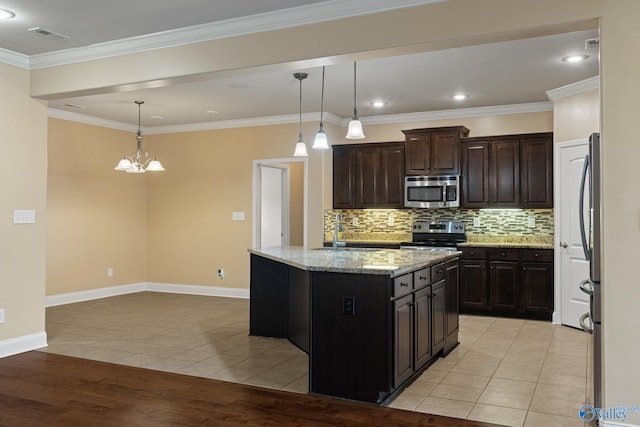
(1, 315)
(110, 272)
(21, 216)
(354, 221)
(349, 306)
(476, 221)
(391, 221)
(221, 273)
(532, 222)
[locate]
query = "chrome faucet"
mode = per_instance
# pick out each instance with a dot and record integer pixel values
(338, 228)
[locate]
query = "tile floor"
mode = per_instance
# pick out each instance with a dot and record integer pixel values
(505, 371)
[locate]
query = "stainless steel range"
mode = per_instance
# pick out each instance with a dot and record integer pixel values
(436, 236)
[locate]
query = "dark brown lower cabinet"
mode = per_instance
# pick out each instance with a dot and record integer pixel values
(452, 309)
(422, 326)
(511, 282)
(403, 339)
(438, 300)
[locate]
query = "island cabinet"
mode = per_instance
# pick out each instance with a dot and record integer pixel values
(433, 151)
(507, 171)
(367, 335)
(507, 282)
(368, 176)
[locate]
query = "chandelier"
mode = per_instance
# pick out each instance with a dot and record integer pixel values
(139, 162)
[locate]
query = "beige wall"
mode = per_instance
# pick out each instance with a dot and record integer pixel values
(209, 176)
(620, 89)
(96, 216)
(576, 116)
(23, 168)
(296, 204)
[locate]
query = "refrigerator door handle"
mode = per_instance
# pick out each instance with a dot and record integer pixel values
(583, 232)
(584, 326)
(586, 286)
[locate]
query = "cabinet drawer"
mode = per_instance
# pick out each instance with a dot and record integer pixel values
(438, 273)
(421, 278)
(537, 255)
(473, 253)
(402, 285)
(504, 254)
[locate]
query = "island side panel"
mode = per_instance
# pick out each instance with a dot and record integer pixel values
(351, 354)
(298, 308)
(268, 300)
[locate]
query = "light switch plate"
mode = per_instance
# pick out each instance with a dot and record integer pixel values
(1, 315)
(237, 216)
(391, 221)
(21, 216)
(476, 221)
(532, 222)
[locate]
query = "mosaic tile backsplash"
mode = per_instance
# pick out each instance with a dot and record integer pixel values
(395, 224)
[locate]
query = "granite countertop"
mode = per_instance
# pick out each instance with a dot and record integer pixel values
(493, 241)
(389, 262)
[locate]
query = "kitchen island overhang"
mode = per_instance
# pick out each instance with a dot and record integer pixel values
(371, 320)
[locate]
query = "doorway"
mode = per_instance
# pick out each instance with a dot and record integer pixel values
(279, 202)
(572, 267)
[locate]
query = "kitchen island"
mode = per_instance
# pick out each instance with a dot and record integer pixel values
(371, 320)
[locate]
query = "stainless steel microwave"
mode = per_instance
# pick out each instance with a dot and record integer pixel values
(432, 191)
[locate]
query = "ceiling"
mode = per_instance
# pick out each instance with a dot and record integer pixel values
(495, 74)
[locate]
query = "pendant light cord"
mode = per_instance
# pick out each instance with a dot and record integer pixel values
(300, 135)
(322, 100)
(355, 110)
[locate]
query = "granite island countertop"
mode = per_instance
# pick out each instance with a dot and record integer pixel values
(389, 262)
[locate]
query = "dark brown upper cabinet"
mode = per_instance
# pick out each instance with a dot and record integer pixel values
(433, 151)
(368, 176)
(507, 171)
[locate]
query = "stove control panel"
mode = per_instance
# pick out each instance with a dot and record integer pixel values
(447, 227)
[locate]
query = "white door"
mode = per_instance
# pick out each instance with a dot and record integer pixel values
(573, 268)
(274, 205)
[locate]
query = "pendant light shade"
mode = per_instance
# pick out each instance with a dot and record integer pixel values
(139, 162)
(320, 142)
(301, 148)
(355, 126)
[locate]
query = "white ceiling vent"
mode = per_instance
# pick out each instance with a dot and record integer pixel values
(592, 43)
(48, 33)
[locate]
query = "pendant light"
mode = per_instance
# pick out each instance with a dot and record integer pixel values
(301, 149)
(355, 126)
(139, 162)
(320, 142)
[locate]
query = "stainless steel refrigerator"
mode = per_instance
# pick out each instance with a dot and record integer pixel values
(591, 321)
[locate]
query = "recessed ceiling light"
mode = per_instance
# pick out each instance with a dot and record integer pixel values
(575, 58)
(6, 14)
(157, 117)
(378, 103)
(460, 96)
(212, 112)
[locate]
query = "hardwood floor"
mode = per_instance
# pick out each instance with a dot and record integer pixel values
(43, 389)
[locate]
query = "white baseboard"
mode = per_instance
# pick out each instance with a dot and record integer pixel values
(71, 297)
(21, 344)
(197, 290)
(604, 423)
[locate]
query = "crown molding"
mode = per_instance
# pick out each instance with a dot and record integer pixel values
(287, 18)
(13, 58)
(90, 120)
(533, 107)
(574, 88)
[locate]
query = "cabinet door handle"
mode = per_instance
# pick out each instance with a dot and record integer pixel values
(422, 278)
(475, 147)
(435, 294)
(406, 285)
(439, 271)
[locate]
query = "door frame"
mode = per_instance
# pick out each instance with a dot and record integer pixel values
(256, 195)
(557, 214)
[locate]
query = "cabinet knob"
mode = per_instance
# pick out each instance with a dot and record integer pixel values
(564, 245)
(524, 268)
(536, 254)
(503, 254)
(439, 271)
